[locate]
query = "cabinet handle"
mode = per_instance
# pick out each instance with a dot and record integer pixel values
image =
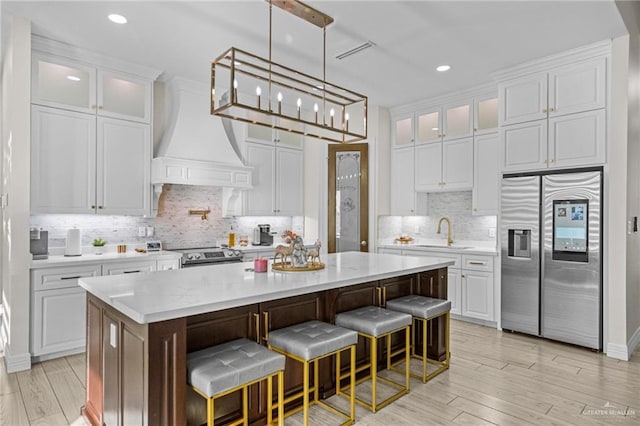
(551, 109)
(256, 318)
(70, 278)
(100, 207)
(544, 162)
(475, 210)
(132, 272)
(551, 161)
(100, 107)
(476, 263)
(266, 326)
(93, 207)
(475, 130)
(93, 106)
(544, 110)
(462, 275)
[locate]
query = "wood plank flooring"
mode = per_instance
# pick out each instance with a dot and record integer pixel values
(495, 378)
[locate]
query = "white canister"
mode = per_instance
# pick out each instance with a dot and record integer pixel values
(73, 245)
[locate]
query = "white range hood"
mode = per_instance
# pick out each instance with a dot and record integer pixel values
(198, 148)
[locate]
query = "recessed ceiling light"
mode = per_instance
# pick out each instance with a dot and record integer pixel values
(73, 78)
(443, 68)
(118, 19)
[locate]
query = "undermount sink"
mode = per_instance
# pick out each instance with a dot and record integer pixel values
(442, 246)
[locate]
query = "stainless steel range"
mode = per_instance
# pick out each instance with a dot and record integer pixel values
(208, 256)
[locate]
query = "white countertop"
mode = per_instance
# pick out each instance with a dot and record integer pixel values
(158, 296)
(460, 247)
(130, 255)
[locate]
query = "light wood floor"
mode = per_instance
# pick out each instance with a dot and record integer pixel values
(495, 378)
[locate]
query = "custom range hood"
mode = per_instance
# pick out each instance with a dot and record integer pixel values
(198, 148)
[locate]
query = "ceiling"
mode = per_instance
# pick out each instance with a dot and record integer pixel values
(412, 37)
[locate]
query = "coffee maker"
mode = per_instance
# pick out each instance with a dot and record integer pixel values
(266, 239)
(39, 243)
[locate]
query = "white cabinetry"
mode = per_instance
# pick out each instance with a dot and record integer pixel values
(277, 180)
(444, 166)
(129, 267)
(404, 199)
(470, 282)
(58, 309)
(58, 312)
(451, 121)
(485, 175)
(554, 119)
(91, 139)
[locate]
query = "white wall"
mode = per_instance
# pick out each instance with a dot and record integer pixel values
(16, 73)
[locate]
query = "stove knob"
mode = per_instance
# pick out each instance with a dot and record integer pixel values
(193, 256)
(237, 253)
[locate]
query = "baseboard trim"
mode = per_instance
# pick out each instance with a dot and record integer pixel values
(634, 342)
(617, 351)
(15, 363)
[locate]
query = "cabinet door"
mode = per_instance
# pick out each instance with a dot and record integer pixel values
(524, 146)
(457, 164)
(486, 182)
(428, 166)
(128, 267)
(168, 265)
(457, 121)
(577, 87)
(403, 130)
(429, 124)
(577, 139)
(290, 182)
(289, 139)
(477, 295)
(124, 164)
(58, 320)
(259, 201)
(453, 290)
(124, 96)
(403, 195)
(257, 133)
(485, 112)
(63, 161)
(63, 277)
(523, 99)
(63, 83)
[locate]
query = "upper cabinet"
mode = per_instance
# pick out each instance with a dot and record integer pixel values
(403, 130)
(485, 114)
(566, 90)
(263, 134)
(62, 83)
(555, 118)
(90, 133)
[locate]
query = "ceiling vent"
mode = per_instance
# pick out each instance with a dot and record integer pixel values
(356, 49)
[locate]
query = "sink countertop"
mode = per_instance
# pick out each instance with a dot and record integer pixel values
(459, 247)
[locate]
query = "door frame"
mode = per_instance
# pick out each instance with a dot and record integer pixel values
(363, 148)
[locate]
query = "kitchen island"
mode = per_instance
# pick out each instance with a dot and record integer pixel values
(141, 327)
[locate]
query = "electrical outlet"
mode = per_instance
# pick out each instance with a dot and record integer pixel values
(416, 230)
(142, 231)
(150, 231)
(492, 232)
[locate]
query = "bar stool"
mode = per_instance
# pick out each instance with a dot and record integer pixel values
(373, 323)
(307, 343)
(424, 309)
(220, 370)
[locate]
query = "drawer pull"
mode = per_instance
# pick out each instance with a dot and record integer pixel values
(70, 278)
(477, 263)
(132, 272)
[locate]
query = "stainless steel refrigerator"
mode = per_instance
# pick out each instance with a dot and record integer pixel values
(551, 243)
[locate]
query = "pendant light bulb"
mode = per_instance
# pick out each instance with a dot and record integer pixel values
(299, 102)
(235, 83)
(279, 96)
(315, 107)
(258, 91)
(332, 112)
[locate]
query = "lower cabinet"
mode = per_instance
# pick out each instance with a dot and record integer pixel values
(58, 304)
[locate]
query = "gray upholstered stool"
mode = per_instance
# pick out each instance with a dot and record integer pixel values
(424, 309)
(373, 323)
(307, 343)
(220, 370)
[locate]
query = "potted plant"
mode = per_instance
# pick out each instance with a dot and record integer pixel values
(98, 243)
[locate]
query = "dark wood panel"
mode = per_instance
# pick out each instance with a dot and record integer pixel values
(399, 286)
(133, 374)
(167, 372)
(214, 328)
(110, 369)
(92, 410)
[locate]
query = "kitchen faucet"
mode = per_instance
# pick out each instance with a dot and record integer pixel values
(442, 219)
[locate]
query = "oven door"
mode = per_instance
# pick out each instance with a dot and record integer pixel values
(206, 262)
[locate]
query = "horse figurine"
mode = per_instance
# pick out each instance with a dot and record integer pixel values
(314, 253)
(284, 252)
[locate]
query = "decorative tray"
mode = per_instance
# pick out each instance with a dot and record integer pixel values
(404, 240)
(315, 266)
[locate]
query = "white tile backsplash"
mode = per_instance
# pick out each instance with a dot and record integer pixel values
(456, 206)
(173, 224)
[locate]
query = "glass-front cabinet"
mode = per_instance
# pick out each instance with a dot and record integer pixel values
(266, 134)
(485, 114)
(457, 121)
(66, 84)
(403, 130)
(429, 125)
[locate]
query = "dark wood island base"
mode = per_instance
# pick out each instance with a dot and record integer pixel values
(136, 373)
